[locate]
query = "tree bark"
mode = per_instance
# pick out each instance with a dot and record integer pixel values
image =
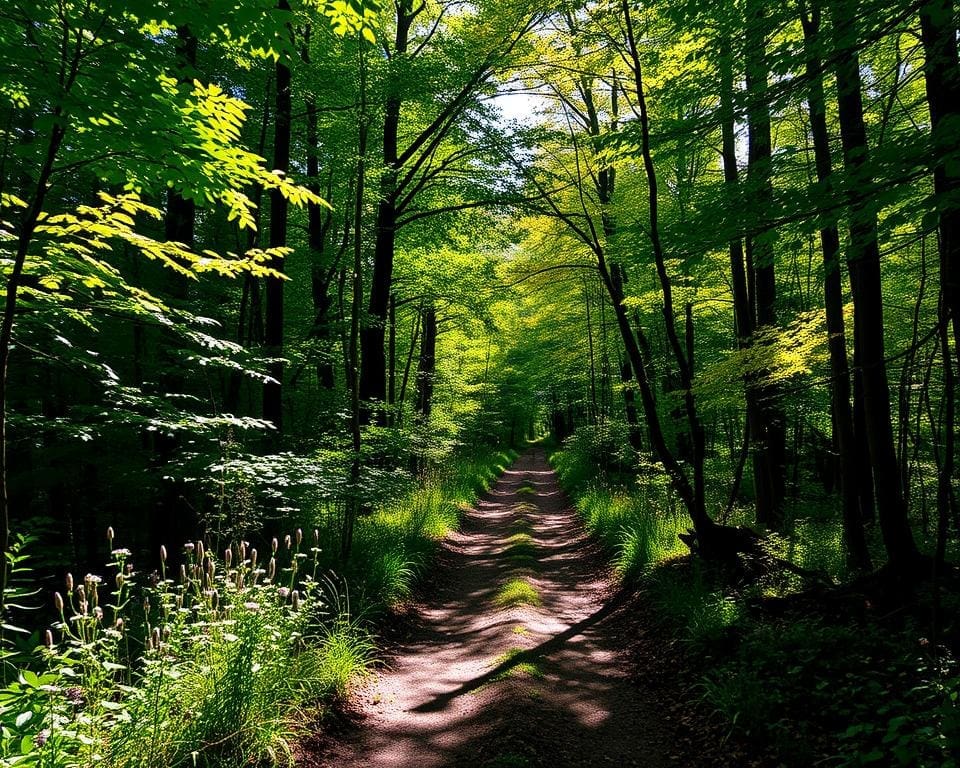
(273, 327)
(373, 383)
(866, 287)
(941, 73)
(768, 425)
(842, 416)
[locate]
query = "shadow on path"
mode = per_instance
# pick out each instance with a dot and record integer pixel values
(531, 685)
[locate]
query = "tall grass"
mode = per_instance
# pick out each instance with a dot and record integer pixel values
(394, 544)
(199, 666)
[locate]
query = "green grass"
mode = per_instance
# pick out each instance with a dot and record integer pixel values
(517, 591)
(521, 548)
(514, 667)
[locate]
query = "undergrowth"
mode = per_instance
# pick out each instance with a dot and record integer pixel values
(837, 690)
(212, 661)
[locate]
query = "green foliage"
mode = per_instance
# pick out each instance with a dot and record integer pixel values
(901, 703)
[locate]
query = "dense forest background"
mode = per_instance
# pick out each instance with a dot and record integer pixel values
(286, 266)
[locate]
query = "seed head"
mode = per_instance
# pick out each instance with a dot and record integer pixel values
(58, 601)
(253, 558)
(272, 568)
(163, 554)
(119, 579)
(228, 556)
(200, 550)
(110, 535)
(48, 639)
(274, 544)
(295, 600)
(69, 581)
(299, 536)
(286, 541)
(98, 613)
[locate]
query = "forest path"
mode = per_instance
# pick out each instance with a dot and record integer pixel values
(480, 685)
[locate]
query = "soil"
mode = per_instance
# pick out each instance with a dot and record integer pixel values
(562, 683)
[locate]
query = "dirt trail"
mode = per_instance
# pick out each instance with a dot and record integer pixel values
(484, 686)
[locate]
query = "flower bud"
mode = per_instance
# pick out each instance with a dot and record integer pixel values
(200, 550)
(48, 639)
(286, 541)
(163, 554)
(274, 544)
(299, 536)
(228, 556)
(58, 601)
(253, 558)
(110, 535)
(295, 600)
(272, 568)
(69, 581)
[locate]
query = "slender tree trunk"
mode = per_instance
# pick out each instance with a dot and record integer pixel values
(842, 415)
(593, 368)
(319, 222)
(373, 382)
(28, 225)
(273, 330)
(864, 262)
(694, 495)
(392, 363)
(769, 425)
(354, 500)
(414, 338)
(426, 365)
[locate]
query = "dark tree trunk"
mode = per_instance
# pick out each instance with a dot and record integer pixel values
(319, 222)
(373, 364)
(392, 363)
(426, 365)
(842, 416)
(938, 34)
(866, 288)
(708, 536)
(174, 522)
(273, 329)
(768, 427)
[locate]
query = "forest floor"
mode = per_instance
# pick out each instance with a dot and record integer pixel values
(522, 653)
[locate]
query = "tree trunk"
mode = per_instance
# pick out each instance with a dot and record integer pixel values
(866, 288)
(768, 427)
(353, 351)
(273, 329)
(373, 381)
(842, 416)
(941, 72)
(426, 365)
